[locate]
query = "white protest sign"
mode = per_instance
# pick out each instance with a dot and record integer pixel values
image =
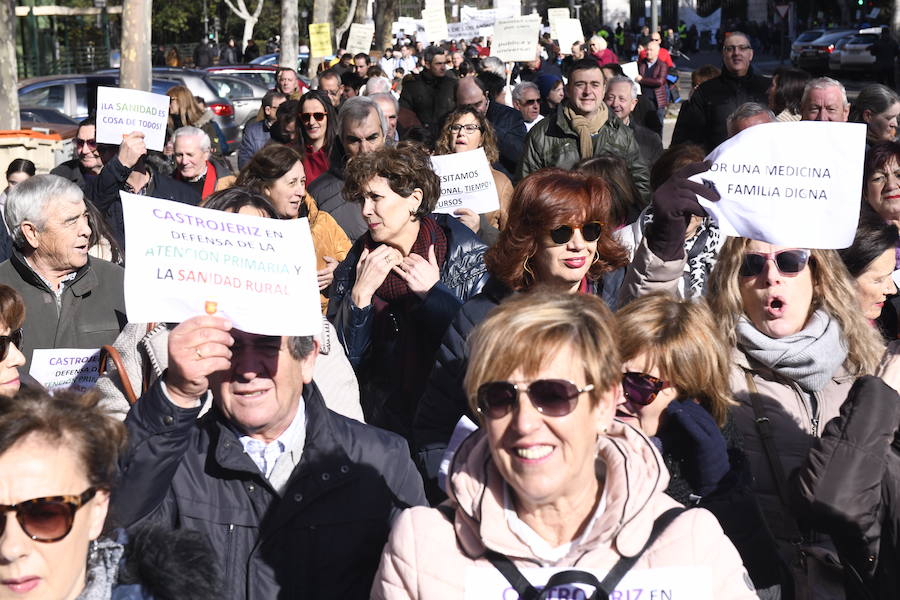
(508, 9)
(568, 34)
(789, 184)
(516, 39)
(121, 111)
(185, 260)
(360, 38)
(435, 22)
(482, 18)
(555, 15)
(670, 583)
(462, 31)
(486, 31)
(466, 182)
(630, 69)
(60, 368)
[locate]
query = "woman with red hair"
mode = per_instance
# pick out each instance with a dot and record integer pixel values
(558, 234)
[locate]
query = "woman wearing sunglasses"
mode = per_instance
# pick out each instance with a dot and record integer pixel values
(277, 173)
(58, 461)
(551, 480)
(317, 127)
(12, 316)
(465, 130)
(558, 235)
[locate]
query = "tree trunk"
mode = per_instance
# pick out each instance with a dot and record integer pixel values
(385, 15)
(9, 92)
(895, 19)
(362, 12)
(135, 72)
(290, 35)
(339, 32)
(321, 14)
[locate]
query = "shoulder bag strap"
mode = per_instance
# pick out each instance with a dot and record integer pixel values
(625, 564)
(764, 428)
(109, 352)
(147, 366)
(512, 574)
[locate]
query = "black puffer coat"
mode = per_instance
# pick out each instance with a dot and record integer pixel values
(850, 488)
(389, 391)
(430, 98)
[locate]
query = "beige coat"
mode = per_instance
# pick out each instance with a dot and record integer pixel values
(428, 557)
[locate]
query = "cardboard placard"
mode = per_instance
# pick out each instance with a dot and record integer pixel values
(516, 39)
(435, 22)
(320, 40)
(466, 182)
(553, 16)
(569, 32)
(121, 111)
(259, 273)
(360, 38)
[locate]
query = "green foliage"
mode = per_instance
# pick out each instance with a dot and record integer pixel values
(172, 19)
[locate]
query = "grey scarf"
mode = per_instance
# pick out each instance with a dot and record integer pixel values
(809, 357)
(102, 570)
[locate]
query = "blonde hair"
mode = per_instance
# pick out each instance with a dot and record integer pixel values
(188, 109)
(527, 329)
(682, 340)
(833, 291)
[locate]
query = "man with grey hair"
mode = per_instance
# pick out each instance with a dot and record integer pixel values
(746, 116)
(389, 107)
(195, 165)
(527, 100)
(302, 498)
(621, 98)
(71, 299)
(702, 119)
(824, 99)
(362, 128)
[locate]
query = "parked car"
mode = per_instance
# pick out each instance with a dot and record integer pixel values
(244, 95)
(197, 81)
(272, 60)
(72, 95)
(48, 120)
(834, 59)
(263, 75)
(855, 56)
(802, 41)
(814, 55)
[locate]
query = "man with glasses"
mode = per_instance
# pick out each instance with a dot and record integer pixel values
(330, 83)
(527, 99)
(256, 133)
(86, 165)
(702, 120)
(430, 94)
(583, 127)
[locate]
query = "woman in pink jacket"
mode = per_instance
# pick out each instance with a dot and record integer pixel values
(551, 491)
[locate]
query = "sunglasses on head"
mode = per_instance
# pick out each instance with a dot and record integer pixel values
(788, 262)
(15, 337)
(308, 117)
(46, 519)
(641, 388)
(589, 231)
(550, 397)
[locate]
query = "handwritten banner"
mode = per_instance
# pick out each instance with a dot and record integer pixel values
(789, 184)
(516, 39)
(466, 182)
(185, 260)
(121, 111)
(693, 583)
(360, 38)
(60, 368)
(320, 40)
(508, 9)
(462, 31)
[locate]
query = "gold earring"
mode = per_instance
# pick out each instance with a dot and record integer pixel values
(596, 258)
(527, 269)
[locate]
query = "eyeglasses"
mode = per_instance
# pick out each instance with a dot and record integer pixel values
(530, 102)
(641, 388)
(550, 397)
(308, 117)
(92, 143)
(788, 262)
(469, 128)
(15, 337)
(733, 49)
(46, 519)
(589, 231)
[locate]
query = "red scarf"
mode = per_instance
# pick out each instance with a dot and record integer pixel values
(315, 162)
(430, 234)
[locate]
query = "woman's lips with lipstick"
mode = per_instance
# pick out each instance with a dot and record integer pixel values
(575, 263)
(21, 585)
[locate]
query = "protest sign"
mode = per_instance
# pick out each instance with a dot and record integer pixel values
(481, 18)
(185, 260)
(462, 31)
(568, 34)
(789, 184)
(320, 40)
(555, 15)
(466, 182)
(630, 69)
(429, 4)
(508, 9)
(121, 111)
(486, 31)
(516, 39)
(61, 368)
(360, 38)
(695, 583)
(435, 22)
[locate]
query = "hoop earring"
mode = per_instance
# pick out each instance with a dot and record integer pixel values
(527, 269)
(596, 258)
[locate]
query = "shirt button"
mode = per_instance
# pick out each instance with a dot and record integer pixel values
(325, 476)
(251, 488)
(168, 419)
(345, 469)
(298, 497)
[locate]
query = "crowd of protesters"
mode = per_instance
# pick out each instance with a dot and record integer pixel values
(589, 383)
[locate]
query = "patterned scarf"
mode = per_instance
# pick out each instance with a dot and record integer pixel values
(430, 233)
(701, 249)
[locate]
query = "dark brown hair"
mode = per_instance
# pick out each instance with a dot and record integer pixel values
(270, 163)
(12, 308)
(488, 139)
(543, 201)
(406, 167)
(625, 199)
(70, 419)
(671, 160)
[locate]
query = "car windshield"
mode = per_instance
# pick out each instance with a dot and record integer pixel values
(866, 38)
(808, 36)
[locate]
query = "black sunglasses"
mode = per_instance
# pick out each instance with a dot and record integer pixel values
(308, 117)
(789, 262)
(641, 388)
(46, 519)
(15, 337)
(589, 231)
(550, 397)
